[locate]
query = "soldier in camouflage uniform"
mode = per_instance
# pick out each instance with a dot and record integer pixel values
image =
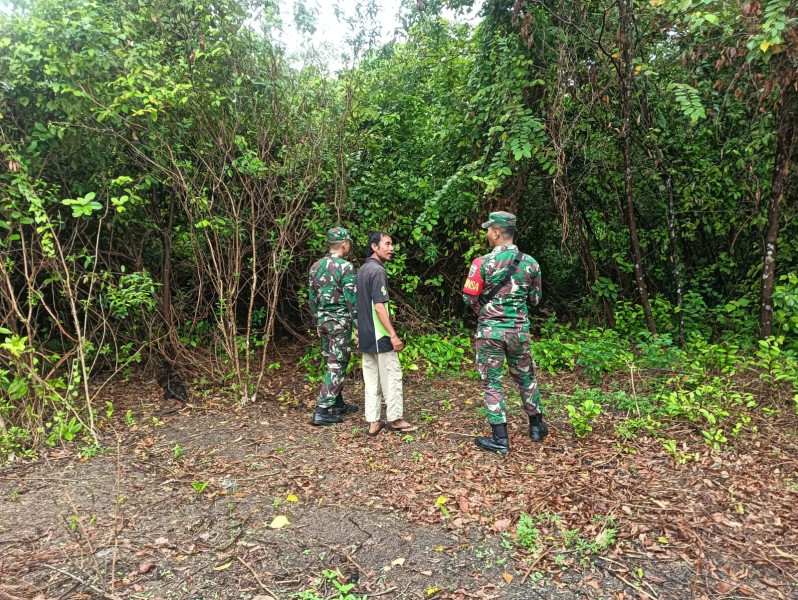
(332, 296)
(499, 286)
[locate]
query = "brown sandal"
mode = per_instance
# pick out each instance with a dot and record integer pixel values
(403, 428)
(374, 434)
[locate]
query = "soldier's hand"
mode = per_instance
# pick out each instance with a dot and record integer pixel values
(398, 345)
(318, 331)
(357, 338)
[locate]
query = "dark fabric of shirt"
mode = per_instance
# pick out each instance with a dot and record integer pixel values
(372, 289)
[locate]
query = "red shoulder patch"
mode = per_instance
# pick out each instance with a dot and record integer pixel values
(474, 284)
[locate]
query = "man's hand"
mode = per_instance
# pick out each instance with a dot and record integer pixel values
(398, 345)
(357, 338)
(318, 331)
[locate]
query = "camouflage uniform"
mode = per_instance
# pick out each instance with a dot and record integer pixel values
(503, 328)
(332, 296)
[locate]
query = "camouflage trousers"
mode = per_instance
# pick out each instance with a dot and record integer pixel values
(336, 346)
(490, 364)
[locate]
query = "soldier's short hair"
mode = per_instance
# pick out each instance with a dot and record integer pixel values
(506, 232)
(336, 245)
(374, 238)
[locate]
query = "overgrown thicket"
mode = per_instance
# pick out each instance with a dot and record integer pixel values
(168, 173)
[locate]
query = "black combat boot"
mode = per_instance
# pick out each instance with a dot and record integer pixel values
(324, 416)
(498, 442)
(538, 430)
(341, 408)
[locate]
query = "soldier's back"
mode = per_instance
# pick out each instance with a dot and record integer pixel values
(326, 281)
(507, 311)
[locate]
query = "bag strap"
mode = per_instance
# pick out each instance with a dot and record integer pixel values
(508, 274)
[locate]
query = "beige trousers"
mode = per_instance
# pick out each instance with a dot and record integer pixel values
(383, 371)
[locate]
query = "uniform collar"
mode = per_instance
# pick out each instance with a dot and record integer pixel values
(333, 255)
(498, 249)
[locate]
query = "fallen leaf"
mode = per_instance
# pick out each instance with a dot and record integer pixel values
(279, 522)
(239, 495)
(439, 548)
(508, 578)
(292, 438)
(223, 567)
(463, 503)
(137, 587)
(434, 590)
(441, 501)
(594, 583)
(398, 562)
(725, 588)
(746, 591)
(427, 573)
(146, 567)
(501, 524)
(291, 498)
(161, 541)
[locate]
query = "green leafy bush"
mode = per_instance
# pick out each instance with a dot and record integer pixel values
(527, 534)
(585, 407)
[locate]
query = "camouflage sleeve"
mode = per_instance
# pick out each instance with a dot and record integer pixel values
(313, 302)
(535, 290)
(349, 284)
(474, 283)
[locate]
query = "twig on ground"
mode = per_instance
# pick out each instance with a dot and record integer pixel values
(620, 564)
(82, 582)
(532, 566)
(28, 478)
(352, 560)
(7, 596)
(261, 476)
(237, 537)
(747, 549)
(255, 575)
(632, 586)
(382, 593)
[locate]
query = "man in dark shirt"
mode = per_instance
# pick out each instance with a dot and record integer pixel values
(378, 340)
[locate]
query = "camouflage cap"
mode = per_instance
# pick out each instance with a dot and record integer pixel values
(338, 234)
(500, 219)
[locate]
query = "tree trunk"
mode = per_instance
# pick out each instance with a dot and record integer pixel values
(587, 254)
(166, 270)
(562, 191)
(626, 7)
(165, 297)
(677, 272)
(787, 130)
(665, 172)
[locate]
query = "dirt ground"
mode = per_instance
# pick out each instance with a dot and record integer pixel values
(181, 507)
